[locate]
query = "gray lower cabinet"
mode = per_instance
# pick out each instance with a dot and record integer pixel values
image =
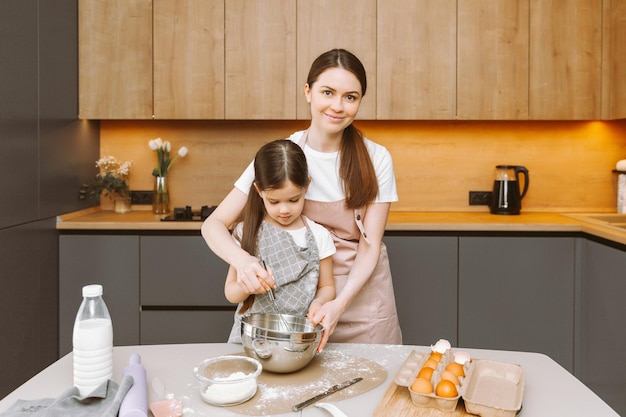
(181, 271)
(424, 270)
(182, 292)
(158, 288)
(601, 321)
(517, 293)
(494, 292)
(110, 260)
(28, 302)
(185, 326)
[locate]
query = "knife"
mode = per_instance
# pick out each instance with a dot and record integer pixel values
(326, 393)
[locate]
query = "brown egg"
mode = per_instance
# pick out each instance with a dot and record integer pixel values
(430, 363)
(456, 369)
(426, 373)
(422, 386)
(450, 376)
(436, 356)
(446, 389)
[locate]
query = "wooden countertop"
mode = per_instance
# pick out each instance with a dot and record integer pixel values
(137, 219)
(466, 221)
(143, 219)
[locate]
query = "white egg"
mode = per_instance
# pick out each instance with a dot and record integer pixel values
(461, 357)
(441, 346)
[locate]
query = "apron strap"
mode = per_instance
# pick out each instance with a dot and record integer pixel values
(358, 218)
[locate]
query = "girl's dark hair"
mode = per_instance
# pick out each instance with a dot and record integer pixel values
(274, 164)
(356, 169)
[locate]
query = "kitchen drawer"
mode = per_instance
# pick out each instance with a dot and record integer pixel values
(180, 271)
(161, 327)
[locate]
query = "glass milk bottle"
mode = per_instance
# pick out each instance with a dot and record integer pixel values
(92, 342)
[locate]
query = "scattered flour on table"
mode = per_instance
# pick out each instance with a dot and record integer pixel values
(385, 355)
(334, 363)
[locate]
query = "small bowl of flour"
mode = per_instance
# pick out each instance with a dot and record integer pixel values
(227, 380)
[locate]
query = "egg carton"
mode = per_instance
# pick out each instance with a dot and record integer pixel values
(489, 388)
(411, 367)
(495, 389)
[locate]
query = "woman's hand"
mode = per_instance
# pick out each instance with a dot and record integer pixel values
(252, 276)
(328, 316)
(313, 309)
(253, 279)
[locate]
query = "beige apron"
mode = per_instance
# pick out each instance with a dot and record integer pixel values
(372, 315)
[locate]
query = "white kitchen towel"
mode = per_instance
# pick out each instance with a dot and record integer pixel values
(104, 401)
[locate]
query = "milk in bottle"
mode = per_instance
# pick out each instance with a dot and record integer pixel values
(92, 341)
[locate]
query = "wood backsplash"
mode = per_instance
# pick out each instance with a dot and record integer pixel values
(436, 163)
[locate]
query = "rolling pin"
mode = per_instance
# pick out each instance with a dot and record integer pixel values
(135, 403)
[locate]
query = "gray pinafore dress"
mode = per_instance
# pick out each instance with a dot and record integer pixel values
(296, 271)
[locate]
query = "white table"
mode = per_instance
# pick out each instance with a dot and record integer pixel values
(550, 390)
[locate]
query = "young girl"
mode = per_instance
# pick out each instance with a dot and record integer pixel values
(297, 251)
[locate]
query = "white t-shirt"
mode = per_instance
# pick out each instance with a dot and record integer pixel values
(323, 239)
(324, 172)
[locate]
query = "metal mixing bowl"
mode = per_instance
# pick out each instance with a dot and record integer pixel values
(282, 343)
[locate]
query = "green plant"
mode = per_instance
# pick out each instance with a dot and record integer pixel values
(112, 180)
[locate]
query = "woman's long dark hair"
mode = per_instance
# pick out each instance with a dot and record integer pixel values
(274, 164)
(356, 169)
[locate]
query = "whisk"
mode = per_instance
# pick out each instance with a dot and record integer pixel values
(283, 321)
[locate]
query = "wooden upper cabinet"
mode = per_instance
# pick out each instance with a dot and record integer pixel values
(189, 59)
(327, 24)
(417, 59)
(425, 59)
(115, 59)
(492, 60)
(260, 59)
(614, 60)
(565, 63)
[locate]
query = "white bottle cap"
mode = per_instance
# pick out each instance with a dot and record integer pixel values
(94, 290)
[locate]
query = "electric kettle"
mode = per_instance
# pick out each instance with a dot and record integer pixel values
(506, 197)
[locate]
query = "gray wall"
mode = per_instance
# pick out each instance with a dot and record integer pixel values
(45, 155)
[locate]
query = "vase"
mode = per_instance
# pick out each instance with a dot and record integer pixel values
(121, 204)
(161, 197)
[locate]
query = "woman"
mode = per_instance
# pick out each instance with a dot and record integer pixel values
(352, 188)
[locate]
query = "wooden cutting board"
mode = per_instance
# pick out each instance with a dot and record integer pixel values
(397, 402)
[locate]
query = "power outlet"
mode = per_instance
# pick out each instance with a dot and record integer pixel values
(141, 197)
(479, 198)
